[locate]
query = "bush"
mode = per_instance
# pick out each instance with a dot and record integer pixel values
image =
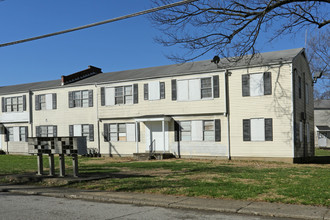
(2, 152)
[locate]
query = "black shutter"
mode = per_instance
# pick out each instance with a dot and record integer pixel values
(71, 130)
(216, 93)
(246, 85)
(38, 131)
(6, 135)
(173, 89)
(136, 93)
(37, 102)
(26, 133)
(176, 131)
(106, 132)
(24, 102)
(3, 104)
(267, 83)
(54, 101)
(102, 96)
(146, 91)
(268, 129)
(90, 98)
(246, 130)
(91, 132)
(162, 90)
(138, 132)
(70, 99)
(55, 131)
(217, 130)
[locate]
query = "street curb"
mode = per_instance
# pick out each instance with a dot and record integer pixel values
(179, 202)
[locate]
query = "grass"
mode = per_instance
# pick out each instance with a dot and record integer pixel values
(257, 181)
(322, 152)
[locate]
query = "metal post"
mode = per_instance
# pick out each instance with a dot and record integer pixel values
(40, 165)
(62, 165)
(51, 165)
(75, 165)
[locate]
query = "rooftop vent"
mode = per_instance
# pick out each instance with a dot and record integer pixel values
(91, 71)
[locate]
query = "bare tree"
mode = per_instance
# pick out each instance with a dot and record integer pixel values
(319, 54)
(231, 27)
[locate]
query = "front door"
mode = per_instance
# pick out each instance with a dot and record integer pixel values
(155, 136)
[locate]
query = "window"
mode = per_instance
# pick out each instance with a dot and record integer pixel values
(195, 89)
(82, 99)
(256, 84)
(206, 88)
(45, 101)
(119, 95)
(154, 90)
(185, 130)
(14, 104)
(258, 129)
(208, 130)
(86, 130)
(198, 130)
(46, 131)
(17, 134)
(119, 132)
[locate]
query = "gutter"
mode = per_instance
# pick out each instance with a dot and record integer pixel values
(227, 111)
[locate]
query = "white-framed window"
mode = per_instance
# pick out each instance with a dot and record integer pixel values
(185, 130)
(208, 130)
(123, 95)
(17, 134)
(154, 90)
(81, 99)
(198, 130)
(256, 84)
(121, 132)
(86, 130)
(45, 101)
(14, 104)
(206, 88)
(258, 129)
(46, 131)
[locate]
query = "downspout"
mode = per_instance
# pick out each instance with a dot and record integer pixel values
(227, 111)
(98, 121)
(31, 112)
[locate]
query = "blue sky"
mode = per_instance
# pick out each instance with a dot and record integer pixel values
(122, 45)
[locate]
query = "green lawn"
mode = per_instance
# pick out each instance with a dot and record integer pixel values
(257, 181)
(322, 152)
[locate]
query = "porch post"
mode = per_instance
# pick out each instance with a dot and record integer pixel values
(163, 127)
(136, 137)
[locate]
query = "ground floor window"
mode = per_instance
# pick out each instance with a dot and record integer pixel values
(46, 131)
(86, 130)
(258, 129)
(198, 130)
(119, 132)
(17, 133)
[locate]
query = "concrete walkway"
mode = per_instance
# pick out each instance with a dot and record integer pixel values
(228, 206)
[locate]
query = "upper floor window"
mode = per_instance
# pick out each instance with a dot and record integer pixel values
(17, 133)
(154, 90)
(258, 129)
(257, 84)
(46, 131)
(195, 89)
(119, 95)
(83, 98)
(45, 101)
(14, 104)
(86, 130)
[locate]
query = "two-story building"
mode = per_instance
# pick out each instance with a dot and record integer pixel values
(259, 108)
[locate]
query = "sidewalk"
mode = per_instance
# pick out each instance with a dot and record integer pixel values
(167, 201)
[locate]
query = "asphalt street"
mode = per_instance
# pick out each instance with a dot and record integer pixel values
(15, 206)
